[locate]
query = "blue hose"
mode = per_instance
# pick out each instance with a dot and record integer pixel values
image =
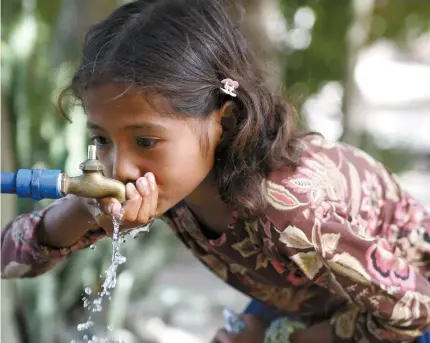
(32, 183)
(8, 182)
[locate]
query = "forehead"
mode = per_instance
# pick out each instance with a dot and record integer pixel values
(111, 97)
(116, 106)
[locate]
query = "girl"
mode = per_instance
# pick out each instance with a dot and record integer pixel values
(179, 112)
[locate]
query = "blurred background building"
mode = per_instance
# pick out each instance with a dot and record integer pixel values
(357, 70)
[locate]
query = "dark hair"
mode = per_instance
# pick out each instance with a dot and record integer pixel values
(182, 49)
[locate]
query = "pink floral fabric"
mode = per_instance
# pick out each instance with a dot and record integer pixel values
(340, 241)
(23, 256)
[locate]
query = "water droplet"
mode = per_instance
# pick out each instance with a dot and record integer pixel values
(110, 327)
(92, 247)
(88, 290)
(85, 337)
(97, 305)
(85, 326)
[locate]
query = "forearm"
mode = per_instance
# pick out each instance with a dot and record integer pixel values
(64, 223)
(35, 242)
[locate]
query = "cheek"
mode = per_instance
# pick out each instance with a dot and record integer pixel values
(182, 167)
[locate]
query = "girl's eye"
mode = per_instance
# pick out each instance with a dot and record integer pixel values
(99, 140)
(146, 143)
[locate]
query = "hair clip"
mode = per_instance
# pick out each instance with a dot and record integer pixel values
(229, 87)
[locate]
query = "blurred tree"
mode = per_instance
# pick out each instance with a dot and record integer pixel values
(341, 30)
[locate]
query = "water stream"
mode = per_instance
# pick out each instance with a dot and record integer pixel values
(95, 305)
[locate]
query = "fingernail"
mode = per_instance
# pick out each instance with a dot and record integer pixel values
(151, 179)
(132, 190)
(144, 184)
(116, 209)
(110, 209)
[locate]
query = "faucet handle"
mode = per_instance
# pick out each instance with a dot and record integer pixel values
(92, 152)
(92, 163)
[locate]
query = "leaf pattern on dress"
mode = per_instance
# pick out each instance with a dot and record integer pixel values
(319, 178)
(245, 248)
(355, 190)
(329, 242)
(262, 261)
(293, 237)
(345, 322)
(238, 269)
(372, 202)
(216, 265)
(347, 265)
(252, 229)
(281, 198)
(308, 262)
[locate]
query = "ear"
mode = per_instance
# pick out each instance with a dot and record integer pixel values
(223, 121)
(226, 118)
(225, 111)
(228, 121)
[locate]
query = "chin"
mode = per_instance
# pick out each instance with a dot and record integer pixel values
(165, 205)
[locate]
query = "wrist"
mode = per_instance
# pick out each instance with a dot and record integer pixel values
(65, 222)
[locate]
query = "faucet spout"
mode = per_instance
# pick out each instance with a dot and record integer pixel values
(92, 183)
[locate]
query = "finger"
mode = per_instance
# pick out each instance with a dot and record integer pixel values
(132, 205)
(142, 186)
(154, 195)
(110, 206)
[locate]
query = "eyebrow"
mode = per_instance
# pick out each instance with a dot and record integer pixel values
(142, 126)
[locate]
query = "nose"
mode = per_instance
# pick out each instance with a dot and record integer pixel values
(124, 169)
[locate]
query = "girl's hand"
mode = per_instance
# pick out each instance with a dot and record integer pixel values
(253, 332)
(139, 208)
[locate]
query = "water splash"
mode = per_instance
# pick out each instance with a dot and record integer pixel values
(109, 283)
(110, 280)
(117, 259)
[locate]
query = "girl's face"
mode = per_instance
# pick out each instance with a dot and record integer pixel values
(132, 138)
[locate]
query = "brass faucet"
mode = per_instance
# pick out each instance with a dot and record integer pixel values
(92, 183)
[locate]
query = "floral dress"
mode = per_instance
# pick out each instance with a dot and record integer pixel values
(339, 241)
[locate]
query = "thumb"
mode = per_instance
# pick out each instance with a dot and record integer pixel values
(110, 206)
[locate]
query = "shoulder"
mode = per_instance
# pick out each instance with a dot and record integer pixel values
(330, 172)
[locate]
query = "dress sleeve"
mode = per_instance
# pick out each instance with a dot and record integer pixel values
(388, 299)
(23, 256)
